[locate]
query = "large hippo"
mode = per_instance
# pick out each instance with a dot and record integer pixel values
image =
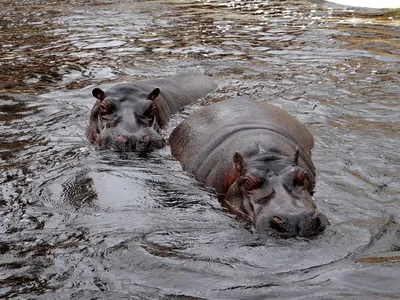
(128, 116)
(257, 157)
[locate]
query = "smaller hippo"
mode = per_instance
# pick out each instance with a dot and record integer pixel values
(128, 116)
(257, 157)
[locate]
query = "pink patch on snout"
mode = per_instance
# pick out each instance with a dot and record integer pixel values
(122, 139)
(145, 138)
(277, 220)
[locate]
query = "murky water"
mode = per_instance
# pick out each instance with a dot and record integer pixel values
(79, 223)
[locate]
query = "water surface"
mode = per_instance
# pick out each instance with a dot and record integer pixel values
(77, 222)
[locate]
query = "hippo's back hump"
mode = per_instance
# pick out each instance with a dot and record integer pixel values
(202, 132)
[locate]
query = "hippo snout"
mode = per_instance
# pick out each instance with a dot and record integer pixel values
(139, 143)
(305, 224)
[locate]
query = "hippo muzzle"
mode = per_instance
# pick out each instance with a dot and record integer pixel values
(307, 223)
(122, 140)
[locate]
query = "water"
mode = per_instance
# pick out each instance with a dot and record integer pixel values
(80, 223)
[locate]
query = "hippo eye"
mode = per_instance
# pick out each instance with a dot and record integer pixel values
(143, 120)
(106, 107)
(249, 184)
(150, 111)
(113, 123)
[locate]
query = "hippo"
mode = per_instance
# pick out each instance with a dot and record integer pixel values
(128, 116)
(257, 158)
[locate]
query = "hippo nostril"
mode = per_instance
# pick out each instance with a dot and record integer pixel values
(122, 139)
(144, 138)
(312, 223)
(279, 225)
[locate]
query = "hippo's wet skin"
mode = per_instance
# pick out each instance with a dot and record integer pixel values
(258, 159)
(128, 116)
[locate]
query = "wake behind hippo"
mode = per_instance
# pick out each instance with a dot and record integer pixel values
(257, 157)
(128, 116)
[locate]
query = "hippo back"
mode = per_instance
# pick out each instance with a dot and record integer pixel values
(178, 91)
(206, 141)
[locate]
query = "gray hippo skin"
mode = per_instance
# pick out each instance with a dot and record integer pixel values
(128, 116)
(257, 157)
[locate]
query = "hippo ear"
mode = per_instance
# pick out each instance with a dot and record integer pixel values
(99, 94)
(238, 161)
(296, 157)
(154, 94)
(300, 176)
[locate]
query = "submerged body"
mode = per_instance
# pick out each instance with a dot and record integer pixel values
(257, 157)
(128, 116)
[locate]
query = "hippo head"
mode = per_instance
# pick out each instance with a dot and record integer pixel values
(275, 194)
(125, 119)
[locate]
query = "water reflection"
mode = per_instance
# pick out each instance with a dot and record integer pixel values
(79, 223)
